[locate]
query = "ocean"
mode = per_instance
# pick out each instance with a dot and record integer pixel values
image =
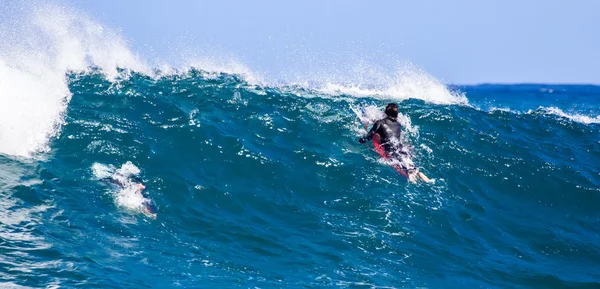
(263, 184)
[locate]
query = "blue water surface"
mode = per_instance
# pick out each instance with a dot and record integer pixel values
(260, 187)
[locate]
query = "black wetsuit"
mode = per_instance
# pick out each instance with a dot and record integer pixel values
(118, 183)
(389, 130)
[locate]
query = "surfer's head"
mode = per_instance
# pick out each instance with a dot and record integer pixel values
(391, 110)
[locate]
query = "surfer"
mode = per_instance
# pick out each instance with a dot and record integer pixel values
(122, 182)
(389, 130)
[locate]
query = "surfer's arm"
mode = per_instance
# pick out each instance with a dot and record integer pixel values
(112, 181)
(370, 134)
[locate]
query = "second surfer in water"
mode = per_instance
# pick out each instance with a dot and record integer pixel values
(389, 131)
(137, 187)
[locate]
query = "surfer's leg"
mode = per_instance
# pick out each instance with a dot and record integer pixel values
(407, 165)
(401, 156)
(424, 177)
(413, 171)
(403, 161)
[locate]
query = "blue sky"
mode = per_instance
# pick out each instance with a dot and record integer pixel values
(458, 42)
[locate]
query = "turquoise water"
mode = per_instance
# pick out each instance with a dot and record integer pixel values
(260, 187)
(263, 184)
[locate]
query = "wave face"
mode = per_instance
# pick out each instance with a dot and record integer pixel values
(263, 184)
(267, 188)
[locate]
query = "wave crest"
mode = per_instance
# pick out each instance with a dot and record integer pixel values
(576, 117)
(40, 45)
(401, 83)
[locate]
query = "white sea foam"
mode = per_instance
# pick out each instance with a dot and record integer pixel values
(552, 111)
(502, 109)
(39, 45)
(102, 171)
(217, 65)
(572, 116)
(399, 83)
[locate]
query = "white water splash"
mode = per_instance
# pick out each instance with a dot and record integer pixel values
(39, 45)
(552, 111)
(217, 65)
(572, 116)
(502, 109)
(400, 83)
(127, 197)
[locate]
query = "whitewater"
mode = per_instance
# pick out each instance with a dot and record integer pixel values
(261, 183)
